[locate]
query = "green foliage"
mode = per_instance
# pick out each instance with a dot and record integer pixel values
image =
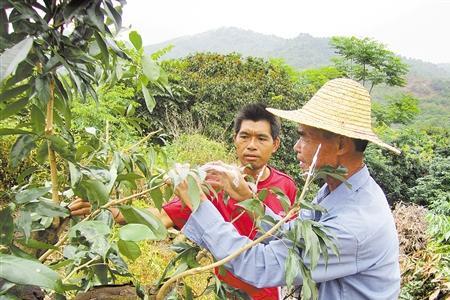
(432, 190)
(402, 109)
(217, 86)
(396, 174)
(197, 149)
(368, 61)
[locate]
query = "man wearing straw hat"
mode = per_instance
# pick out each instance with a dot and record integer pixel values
(338, 118)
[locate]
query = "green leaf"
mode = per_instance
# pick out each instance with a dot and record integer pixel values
(34, 244)
(284, 200)
(31, 194)
(193, 192)
(11, 93)
(42, 88)
(157, 198)
(292, 267)
(37, 119)
(11, 131)
(135, 233)
(135, 39)
(149, 99)
(48, 208)
(11, 57)
(129, 249)
(64, 148)
(42, 152)
(114, 15)
(95, 16)
(28, 272)
(21, 148)
(24, 222)
(75, 174)
(144, 217)
(103, 48)
(253, 206)
(150, 68)
(90, 229)
(92, 190)
(6, 226)
(13, 108)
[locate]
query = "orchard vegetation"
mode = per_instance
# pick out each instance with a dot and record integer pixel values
(84, 114)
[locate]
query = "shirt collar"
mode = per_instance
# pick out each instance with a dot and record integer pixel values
(334, 197)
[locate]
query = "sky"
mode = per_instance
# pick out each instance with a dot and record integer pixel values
(412, 28)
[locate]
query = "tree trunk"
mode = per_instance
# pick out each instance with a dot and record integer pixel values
(49, 132)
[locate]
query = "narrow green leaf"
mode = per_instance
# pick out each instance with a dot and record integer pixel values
(11, 57)
(157, 198)
(135, 39)
(6, 226)
(149, 99)
(13, 108)
(24, 223)
(31, 194)
(129, 249)
(114, 15)
(15, 91)
(11, 131)
(37, 119)
(29, 272)
(103, 48)
(42, 88)
(292, 267)
(34, 244)
(193, 192)
(42, 152)
(150, 68)
(21, 148)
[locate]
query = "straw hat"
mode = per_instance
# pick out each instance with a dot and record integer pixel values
(341, 106)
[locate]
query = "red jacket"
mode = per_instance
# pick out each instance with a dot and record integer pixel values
(242, 222)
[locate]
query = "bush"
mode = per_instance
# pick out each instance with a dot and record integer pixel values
(397, 174)
(196, 149)
(433, 189)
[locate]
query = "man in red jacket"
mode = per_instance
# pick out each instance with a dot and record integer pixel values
(256, 139)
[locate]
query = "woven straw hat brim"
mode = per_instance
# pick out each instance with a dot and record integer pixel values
(342, 106)
(300, 117)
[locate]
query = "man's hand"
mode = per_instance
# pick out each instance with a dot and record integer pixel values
(222, 176)
(182, 192)
(80, 207)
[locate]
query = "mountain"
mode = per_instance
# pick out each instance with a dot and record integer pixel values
(427, 81)
(301, 52)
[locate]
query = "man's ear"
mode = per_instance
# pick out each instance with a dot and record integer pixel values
(276, 144)
(345, 145)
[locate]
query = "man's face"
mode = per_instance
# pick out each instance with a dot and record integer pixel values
(254, 143)
(306, 147)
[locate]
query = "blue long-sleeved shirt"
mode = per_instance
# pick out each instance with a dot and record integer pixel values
(358, 217)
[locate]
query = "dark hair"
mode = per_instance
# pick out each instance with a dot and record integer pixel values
(257, 112)
(360, 145)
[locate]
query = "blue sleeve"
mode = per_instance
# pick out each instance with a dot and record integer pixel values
(263, 265)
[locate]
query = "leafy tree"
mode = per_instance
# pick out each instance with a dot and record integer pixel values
(368, 61)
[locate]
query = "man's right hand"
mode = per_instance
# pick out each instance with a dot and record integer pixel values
(80, 207)
(221, 176)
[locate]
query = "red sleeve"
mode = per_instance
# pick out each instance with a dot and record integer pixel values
(177, 212)
(291, 192)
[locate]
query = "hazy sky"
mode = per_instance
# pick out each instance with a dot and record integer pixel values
(413, 28)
